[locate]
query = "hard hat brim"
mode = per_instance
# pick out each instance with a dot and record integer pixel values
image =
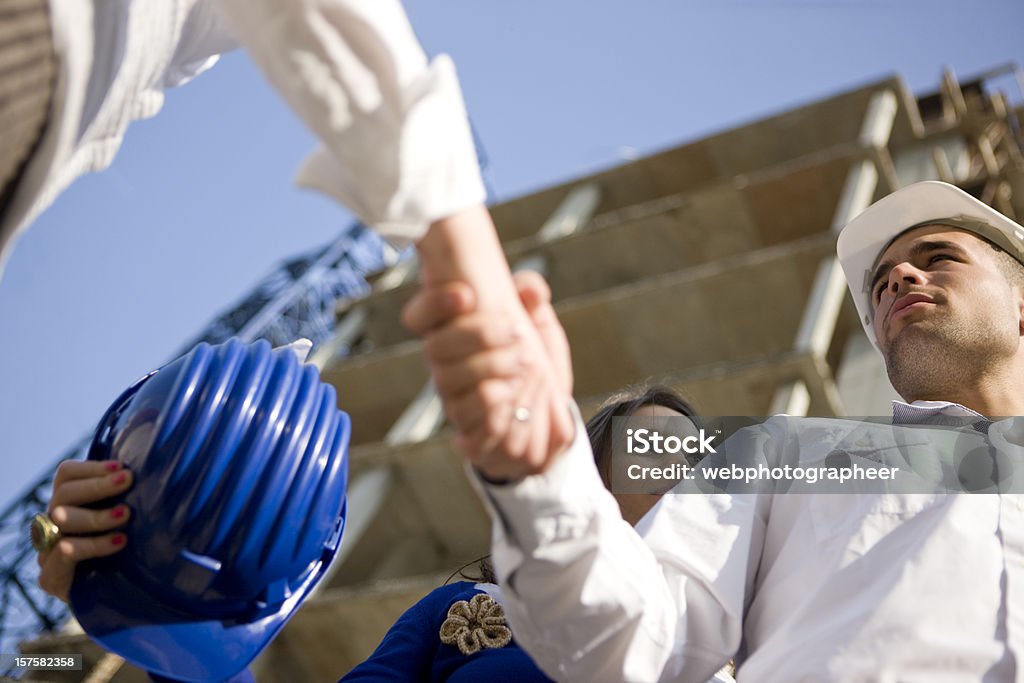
(162, 640)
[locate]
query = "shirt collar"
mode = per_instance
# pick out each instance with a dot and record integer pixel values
(921, 411)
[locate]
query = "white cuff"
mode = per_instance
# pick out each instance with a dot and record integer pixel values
(406, 173)
(545, 508)
(398, 150)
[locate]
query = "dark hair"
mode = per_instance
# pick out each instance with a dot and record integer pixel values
(624, 404)
(599, 431)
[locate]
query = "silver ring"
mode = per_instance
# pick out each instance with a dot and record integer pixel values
(522, 414)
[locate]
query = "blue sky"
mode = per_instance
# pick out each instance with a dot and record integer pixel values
(198, 206)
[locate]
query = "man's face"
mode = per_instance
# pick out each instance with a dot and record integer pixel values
(938, 292)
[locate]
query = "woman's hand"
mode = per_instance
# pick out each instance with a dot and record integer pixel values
(76, 484)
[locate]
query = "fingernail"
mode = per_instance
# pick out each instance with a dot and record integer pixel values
(113, 466)
(118, 512)
(517, 331)
(452, 300)
(524, 360)
(118, 539)
(120, 478)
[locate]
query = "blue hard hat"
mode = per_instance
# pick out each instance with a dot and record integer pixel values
(239, 454)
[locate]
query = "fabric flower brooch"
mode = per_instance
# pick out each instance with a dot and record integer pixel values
(474, 625)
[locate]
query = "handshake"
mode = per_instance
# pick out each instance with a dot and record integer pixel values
(498, 356)
(398, 151)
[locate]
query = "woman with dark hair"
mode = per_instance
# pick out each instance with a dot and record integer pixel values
(459, 632)
(655, 402)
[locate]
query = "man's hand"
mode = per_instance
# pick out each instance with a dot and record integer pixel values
(505, 379)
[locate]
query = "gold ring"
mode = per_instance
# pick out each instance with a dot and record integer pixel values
(45, 533)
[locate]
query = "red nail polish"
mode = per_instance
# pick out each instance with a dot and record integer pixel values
(120, 478)
(118, 512)
(118, 539)
(113, 466)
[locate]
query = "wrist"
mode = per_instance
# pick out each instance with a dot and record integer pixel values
(465, 247)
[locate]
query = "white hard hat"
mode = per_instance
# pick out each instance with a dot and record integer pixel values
(863, 240)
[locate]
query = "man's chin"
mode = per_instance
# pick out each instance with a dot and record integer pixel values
(908, 342)
(909, 330)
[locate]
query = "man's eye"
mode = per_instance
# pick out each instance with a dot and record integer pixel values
(939, 257)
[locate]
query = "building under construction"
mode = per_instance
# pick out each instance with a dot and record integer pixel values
(710, 266)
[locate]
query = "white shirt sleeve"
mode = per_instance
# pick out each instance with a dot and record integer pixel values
(590, 598)
(398, 150)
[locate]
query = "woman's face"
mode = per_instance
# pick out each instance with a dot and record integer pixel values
(635, 505)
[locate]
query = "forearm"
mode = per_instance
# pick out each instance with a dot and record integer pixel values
(465, 247)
